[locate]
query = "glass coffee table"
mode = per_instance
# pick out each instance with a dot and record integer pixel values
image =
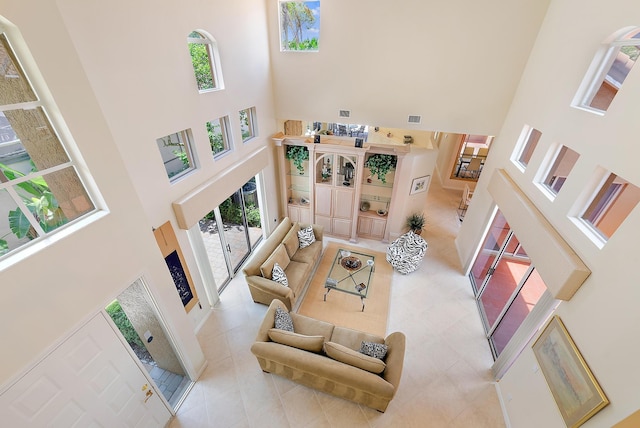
(350, 273)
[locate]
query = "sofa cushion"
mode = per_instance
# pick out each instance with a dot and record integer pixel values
(352, 338)
(311, 326)
(279, 256)
(306, 236)
(278, 275)
(376, 350)
(354, 358)
(309, 254)
(282, 320)
(291, 241)
(300, 341)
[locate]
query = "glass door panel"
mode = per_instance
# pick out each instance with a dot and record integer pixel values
(491, 247)
(252, 211)
(235, 231)
(524, 302)
(210, 231)
(503, 281)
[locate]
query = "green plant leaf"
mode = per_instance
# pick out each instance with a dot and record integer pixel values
(19, 224)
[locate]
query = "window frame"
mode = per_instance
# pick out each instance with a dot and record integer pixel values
(600, 67)
(213, 59)
(251, 124)
(184, 137)
(525, 147)
(49, 117)
(227, 138)
(548, 178)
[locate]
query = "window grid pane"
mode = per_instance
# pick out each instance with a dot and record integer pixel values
(14, 87)
(177, 157)
(218, 136)
(247, 124)
(529, 146)
(200, 51)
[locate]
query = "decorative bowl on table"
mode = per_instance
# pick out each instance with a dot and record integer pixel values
(365, 206)
(382, 213)
(351, 263)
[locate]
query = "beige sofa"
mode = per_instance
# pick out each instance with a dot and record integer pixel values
(306, 359)
(299, 264)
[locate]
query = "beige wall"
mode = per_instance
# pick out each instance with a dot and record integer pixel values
(602, 316)
(121, 75)
(455, 64)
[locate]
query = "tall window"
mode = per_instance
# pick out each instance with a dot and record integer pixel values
(205, 60)
(611, 69)
(218, 132)
(524, 149)
(40, 187)
(559, 171)
(177, 154)
(248, 123)
(611, 205)
(299, 25)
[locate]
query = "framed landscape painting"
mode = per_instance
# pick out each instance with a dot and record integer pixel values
(573, 386)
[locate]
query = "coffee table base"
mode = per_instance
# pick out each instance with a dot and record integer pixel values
(329, 289)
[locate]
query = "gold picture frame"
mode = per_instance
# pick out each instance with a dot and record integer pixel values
(574, 388)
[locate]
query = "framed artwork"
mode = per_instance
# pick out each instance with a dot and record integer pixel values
(359, 142)
(419, 184)
(573, 386)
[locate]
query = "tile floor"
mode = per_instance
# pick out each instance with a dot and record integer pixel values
(446, 380)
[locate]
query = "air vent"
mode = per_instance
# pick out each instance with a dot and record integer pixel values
(415, 119)
(345, 113)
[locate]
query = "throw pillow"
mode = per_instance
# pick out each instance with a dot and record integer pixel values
(279, 256)
(278, 275)
(353, 358)
(300, 341)
(375, 350)
(283, 320)
(306, 237)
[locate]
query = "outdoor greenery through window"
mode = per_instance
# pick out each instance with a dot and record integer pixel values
(204, 58)
(248, 123)
(176, 153)
(615, 65)
(218, 132)
(40, 189)
(299, 25)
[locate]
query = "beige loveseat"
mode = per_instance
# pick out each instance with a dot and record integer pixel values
(299, 264)
(306, 359)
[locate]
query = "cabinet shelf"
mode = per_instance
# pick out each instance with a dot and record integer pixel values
(378, 183)
(299, 188)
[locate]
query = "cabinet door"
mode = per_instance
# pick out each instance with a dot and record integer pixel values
(377, 228)
(343, 203)
(364, 225)
(304, 216)
(293, 213)
(323, 201)
(325, 222)
(341, 227)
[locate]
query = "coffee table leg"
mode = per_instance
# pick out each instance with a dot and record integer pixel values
(325, 294)
(362, 298)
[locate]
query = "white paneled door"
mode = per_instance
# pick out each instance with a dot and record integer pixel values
(90, 380)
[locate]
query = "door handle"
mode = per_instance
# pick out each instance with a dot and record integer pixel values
(148, 395)
(229, 248)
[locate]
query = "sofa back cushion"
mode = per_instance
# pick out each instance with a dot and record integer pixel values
(311, 326)
(279, 256)
(291, 241)
(300, 341)
(352, 338)
(266, 248)
(353, 358)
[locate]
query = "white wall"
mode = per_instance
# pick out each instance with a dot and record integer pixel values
(121, 75)
(602, 317)
(455, 63)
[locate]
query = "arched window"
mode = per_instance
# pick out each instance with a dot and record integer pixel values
(41, 188)
(609, 70)
(205, 60)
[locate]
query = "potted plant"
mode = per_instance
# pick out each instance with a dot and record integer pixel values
(380, 164)
(415, 222)
(297, 154)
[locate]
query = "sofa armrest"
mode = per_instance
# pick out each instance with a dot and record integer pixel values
(269, 320)
(396, 343)
(262, 288)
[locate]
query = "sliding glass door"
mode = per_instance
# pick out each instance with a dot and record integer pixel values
(505, 283)
(230, 231)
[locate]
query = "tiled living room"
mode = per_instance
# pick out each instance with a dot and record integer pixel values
(446, 381)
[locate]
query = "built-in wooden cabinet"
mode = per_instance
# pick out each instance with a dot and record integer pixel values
(335, 190)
